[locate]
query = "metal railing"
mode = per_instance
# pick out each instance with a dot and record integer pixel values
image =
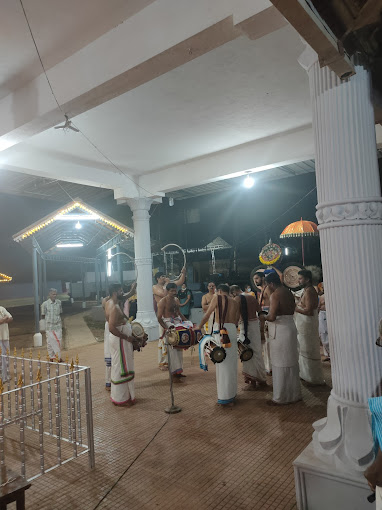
(46, 417)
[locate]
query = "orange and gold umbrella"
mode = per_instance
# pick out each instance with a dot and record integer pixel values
(301, 228)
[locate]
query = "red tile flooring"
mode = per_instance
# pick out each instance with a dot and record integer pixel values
(202, 458)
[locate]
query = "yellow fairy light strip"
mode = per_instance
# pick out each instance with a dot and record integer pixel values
(66, 210)
(5, 278)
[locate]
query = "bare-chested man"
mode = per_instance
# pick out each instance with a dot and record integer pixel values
(206, 300)
(169, 315)
(264, 297)
(253, 370)
(283, 342)
(106, 305)
(306, 318)
(322, 325)
(121, 351)
(228, 319)
(159, 292)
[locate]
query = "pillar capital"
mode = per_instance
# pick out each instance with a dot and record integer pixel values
(308, 57)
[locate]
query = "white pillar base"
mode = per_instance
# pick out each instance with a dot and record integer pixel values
(150, 324)
(83, 304)
(321, 484)
(37, 340)
(350, 451)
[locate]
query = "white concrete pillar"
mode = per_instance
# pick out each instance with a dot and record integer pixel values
(142, 247)
(349, 214)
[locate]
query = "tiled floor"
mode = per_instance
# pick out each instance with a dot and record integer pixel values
(203, 458)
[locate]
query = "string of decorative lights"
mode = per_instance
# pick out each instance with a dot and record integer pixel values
(58, 216)
(5, 278)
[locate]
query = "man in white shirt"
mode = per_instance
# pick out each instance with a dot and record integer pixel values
(5, 319)
(51, 310)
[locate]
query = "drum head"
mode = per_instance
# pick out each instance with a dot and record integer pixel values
(218, 354)
(246, 355)
(172, 337)
(290, 277)
(137, 330)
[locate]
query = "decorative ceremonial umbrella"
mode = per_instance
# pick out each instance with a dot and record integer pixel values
(5, 278)
(301, 229)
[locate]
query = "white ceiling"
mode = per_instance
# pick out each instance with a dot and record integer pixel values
(242, 91)
(60, 29)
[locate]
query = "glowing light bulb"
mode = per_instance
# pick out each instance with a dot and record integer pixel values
(248, 182)
(78, 225)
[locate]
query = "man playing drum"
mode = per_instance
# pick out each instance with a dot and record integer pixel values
(168, 315)
(227, 314)
(254, 369)
(159, 292)
(121, 351)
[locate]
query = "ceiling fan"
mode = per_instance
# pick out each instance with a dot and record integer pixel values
(68, 125)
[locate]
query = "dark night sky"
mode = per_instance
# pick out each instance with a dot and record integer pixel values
(244, 218)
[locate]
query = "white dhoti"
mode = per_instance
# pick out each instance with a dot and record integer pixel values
(309, 347)
(4, 345)
(323, 331)
(176, 354)
(53, 342)
(284, 353)
(226, 372)
(162, 350)
(107, 357)
(265, 345)
(254, 369)
(122, 368)
(209, 325)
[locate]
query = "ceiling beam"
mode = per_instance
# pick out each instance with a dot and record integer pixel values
(312, 29)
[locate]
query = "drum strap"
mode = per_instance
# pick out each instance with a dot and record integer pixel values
(244, 316)
(224, 337)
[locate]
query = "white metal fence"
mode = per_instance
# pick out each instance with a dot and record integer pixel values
(46, 417)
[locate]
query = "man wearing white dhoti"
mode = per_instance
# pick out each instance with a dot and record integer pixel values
(322, 325)
(51, 311)
(5, 319)
(159, 292)
(206, 300)
(121, 352)
(263, 297)
(169, 315)
(306, 318)
(227, 316)
(107, 305)
(283, 343)
(254, 369)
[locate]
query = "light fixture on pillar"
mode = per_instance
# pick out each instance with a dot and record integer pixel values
(109, 266)
(248, 182)
(286, 251)
(170, 201)
(78, 225)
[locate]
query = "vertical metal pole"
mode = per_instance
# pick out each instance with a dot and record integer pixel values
(106, 280)
(89, 417)
(44, 283)
(78, 400)
(96, 281)
(35, 292)
(21, 398)
(40, 283)
(173, 409)
(120, 269)
(68, 403)
(40, 421)
(83, 282)
(2, 461)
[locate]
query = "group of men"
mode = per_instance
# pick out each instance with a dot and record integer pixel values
(282, 335)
